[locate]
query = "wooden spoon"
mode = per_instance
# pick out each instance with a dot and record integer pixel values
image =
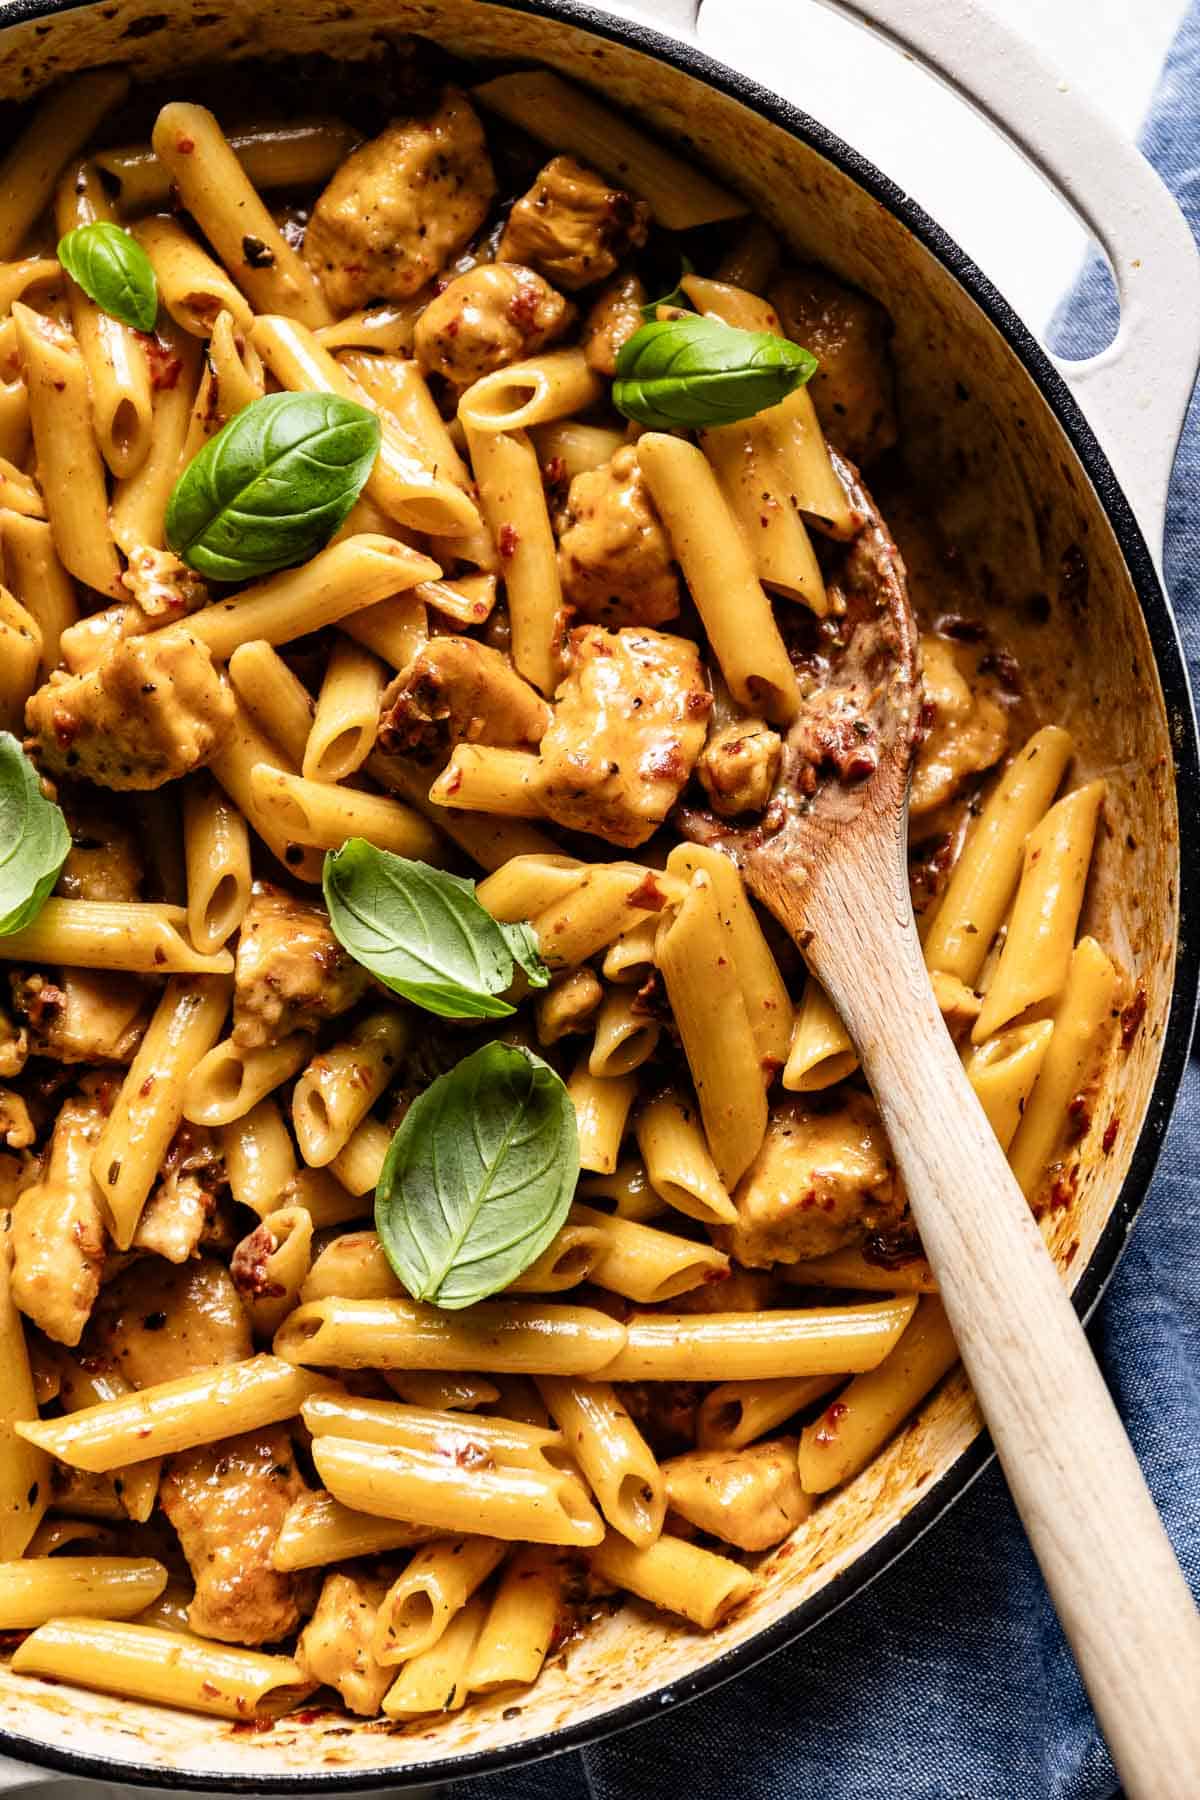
(828, 858)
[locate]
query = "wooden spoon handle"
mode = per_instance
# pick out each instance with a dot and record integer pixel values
(1108, 1563)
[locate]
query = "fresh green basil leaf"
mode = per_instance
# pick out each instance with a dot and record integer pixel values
(521, 939)
(479, 1177)
(676, 297)
(273, 486)
(113, 270)
(694, 372)
(34, 839)
(421, 931)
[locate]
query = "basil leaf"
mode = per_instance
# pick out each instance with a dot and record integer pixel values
(34, 839)
(521, 939)
(693, 372)
(479, 1177)
(676, 297)
(113, 270)
(421, 931)
(273, 486)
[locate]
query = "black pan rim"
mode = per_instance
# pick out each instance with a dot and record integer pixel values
(1173, 677)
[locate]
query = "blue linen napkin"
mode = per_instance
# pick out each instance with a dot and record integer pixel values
(949, 1679)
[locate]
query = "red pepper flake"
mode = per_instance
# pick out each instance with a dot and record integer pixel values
(831, 1418)
(508, 539)
(1132, 1016)
(165, 365)
(1110, 1133)
(184, 144)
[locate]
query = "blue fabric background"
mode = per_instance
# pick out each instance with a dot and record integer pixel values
(949, 1679)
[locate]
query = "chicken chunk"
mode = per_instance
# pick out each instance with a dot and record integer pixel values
(615, 315)
(291, 973)
(162, 584)
(739, 766)
(853, 389)
(58, 1235)
(572, 226)
(179, 1213)
(457, 691)
(614, 559)
(824, 1180)
(628, 727)
(335, 1645)
(751, 1498)
(156, 1322)
(401, 206)
(493, 315)
(16, 1126)
(152, 710)
(81, 1015)
(227, 1502)
(968, 733)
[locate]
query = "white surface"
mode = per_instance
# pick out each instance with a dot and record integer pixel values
(952, 162)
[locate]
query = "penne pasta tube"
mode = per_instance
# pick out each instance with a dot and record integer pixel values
(645, 1264)
(868, 1412)
(118, 366)
(630, 959)
(1083, 1021)
(68, 456)
(337, 581)
(985, 877)
(525, 886)
(482, 778)
(299, 153)
(764, 991)
(397, 386)
(1041, 932)
(171, 1611)
(521, 1622)
(821, 1340)
(513, 502)
(607, 900)
(692, 951)
(358, 1163)
(488, 840)
(628, 1188)
(19, 493)
(324, 1199)
(820, 1052)
(468, 599)
(1004, 1071)
(84, 1386)
(566, 118)
(269, 1267)
(534, 1506)
(149, 1107)
(259, 1159)
(216, 847)
(721, 576)
(193, 288)
(442, 1393)
(233, 766)
(417, 1609)
(276, 699)
(753, 478)
(624, 1037)
(139, 503)
(576, 447)
(176, 1415)
(347, 714)
(551, 386)
(394, 630)
(454, 1436)
(602, 1106)
(520, 1337)
(57, 1534)
(58, 130)
(323, 815)
(677, 1162)
(24, 1468)
(37, 1589)
(855, 1271)
(317, 1529)
(165, 1667)
(231, 1079)
(387, 326)
(140, 936)
(24, 276)
(341, 1084)
(236, 367)
(353, 1267)
(736, 1413)
(566, 1005)
(21, 651)
(567, 1260)
(214, 188)
(676, 1576)
(438, 1681)
(617, 1462)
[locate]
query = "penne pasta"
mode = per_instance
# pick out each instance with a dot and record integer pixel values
(359, 1161)
(39, 581)
(676, 1576)
(482, 778)
(24, 1468)
(230, 1079)
(139, 503)
(343, 729)
(823, 1340)
(216, 846)
(324, 815)
(602, 1106)
(438, 1680)
(646, 1264)
(142, 937)
(764, 991)
(513, 503)
(736, 1413)
(521, 1338)
(194, 289)
(552, 386)
(58, 130)
(521, 1622)
(1004, 1071)
(270, 1265)
(617, 1463)
(820, 1052)
(38, 1589)
(341, 1084)
(624, 1037)
(299, 153)
(259, 1157)
(417, 1609)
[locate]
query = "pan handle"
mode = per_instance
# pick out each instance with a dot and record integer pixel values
(1135, 393)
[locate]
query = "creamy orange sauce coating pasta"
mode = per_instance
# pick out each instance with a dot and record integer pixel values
(534, 639)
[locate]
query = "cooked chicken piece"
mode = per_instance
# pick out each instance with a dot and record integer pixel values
(664, 1412)
(853, 389)
(58, 1232)
(335, 1645)
(16, 1126)
(400, 207)
(162, 584)
(457, 691)
(291, 973)
(156, 1322)
(824, 1180)
(568, 1004)
(739, 766)
(104, 862)
(968, 734)
(614, 559)
(14, 1044)
(153, 710)
(628, 726)
(572, 226)
(751, 1498)
(493, 315)
(742, 1290)
(227, 1501)
(615, 315)
(81, 1015)
(179, 1212)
